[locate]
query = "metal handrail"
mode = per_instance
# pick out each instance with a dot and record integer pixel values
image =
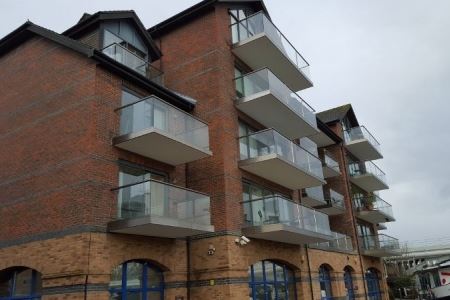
(290, 44)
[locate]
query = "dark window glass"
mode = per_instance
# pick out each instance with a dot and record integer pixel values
(136, 280)
(348, 281)
(270, 280)
(373, 285)
(20, 283)
(325, 283)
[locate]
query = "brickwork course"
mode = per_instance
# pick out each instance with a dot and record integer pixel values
(60, 169)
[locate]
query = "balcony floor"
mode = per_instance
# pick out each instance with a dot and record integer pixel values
(158, 227)
(369, 182)
(259, 52)
(381, 252)
(265, 108)
(312, 202)
(374, 216)
(275, 169)
(363, 150)
(330, 172)
(285, 234)
(331, 210)
(160, 146)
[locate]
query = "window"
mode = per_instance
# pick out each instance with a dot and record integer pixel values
(123, 32)
(348, 281)
(373, 284)
(241, 27)
(136, 280)
(134, 200)
(20, 283)
(325, 282)
(271, 281)
(366, 234)
(261, 206)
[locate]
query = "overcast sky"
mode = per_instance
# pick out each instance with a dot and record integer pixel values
(390, 59)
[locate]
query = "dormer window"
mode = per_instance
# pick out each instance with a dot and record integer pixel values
(123, 33)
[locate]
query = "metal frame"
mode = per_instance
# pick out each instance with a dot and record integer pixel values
(33, 285)
(144, 288)
(325, 280)
(265, 282)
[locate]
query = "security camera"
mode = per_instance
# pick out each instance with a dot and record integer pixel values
(245, 239)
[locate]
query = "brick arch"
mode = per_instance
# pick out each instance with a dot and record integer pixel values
(280, 260)
(350, 268)
(160, 266)
(21, 262)
(328, 266)
(9, 268)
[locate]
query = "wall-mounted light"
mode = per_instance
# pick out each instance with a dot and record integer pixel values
(243, 240)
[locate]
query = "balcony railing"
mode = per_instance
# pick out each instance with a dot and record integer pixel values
(315, 192)
(330, 162)
(264, 80)
(181, 137)
(278, 210)
(379, 242)
(161, 209)
(361, 133)
(335, 199)
(366, 168)
(259, 23)
(340, 242)
(373, 203)
(269, 141)
(134, 62)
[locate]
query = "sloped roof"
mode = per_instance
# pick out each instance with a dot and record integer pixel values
(29, 30)
(336, 114)
(193, 11)
(87, 21)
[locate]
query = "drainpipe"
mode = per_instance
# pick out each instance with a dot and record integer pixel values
(349, 192)
(188, 262)
(309, 273)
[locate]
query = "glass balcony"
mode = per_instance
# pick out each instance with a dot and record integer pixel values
(330, 166)
(155, 208)
(270, 155)
(373, 209)
(180, 138)
(380, 245)
(265, 98)
(335, 203)
(367, 176)
(313, 196)
(361, 143)
(134, 62)
(281, 220)
(259, 43)
(340, 242)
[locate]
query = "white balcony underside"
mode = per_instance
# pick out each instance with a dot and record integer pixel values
(265, 108)
(158, 145)
(374, 216)
(312, 202)
(277, 170)
(330, 172)
(332, 210)
(158, 227)
(259, 52)
(285, 234)
(322, 140)
(369, 182)
(381, 252)
(363, 150)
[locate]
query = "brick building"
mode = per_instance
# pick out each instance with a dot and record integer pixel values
(178, 162)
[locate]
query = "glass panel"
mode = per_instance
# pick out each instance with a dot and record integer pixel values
(281, 291)
(264, 80)
(269, 270)
(134, 275)
(315, 193)
(152, 112)
(134, 295)
(259, 23)
(116, 278)
(23, 283)
(368, 167)
(259, 292)
(130, 56)
(6, 282)
(154, 278)
(279, 273)
(258, 272)
(271, 142)
(359, 133)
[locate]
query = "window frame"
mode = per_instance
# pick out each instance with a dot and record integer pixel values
(325, 282)
(144, 289)
(253, 284)
(34, 291)
(348, 283)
